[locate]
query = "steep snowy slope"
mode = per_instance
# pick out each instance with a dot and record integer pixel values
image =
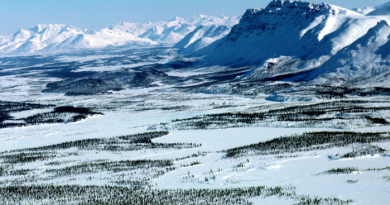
(19, 38)
(383, 9)
(290, 39)
(56, 37)
(363, 11)
(4, 39)
(205, 20)
(104, 37)
(47, 35)
(201, 37)
(171, 32)
(137, 28)
(368, 58)
(284, 28)
(176, 29)
(209, 30)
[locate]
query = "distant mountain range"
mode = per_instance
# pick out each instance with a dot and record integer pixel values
(175, 30)
(57, 37)
(287, 40)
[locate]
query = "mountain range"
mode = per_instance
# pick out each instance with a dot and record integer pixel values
(57, 37)
(287, 40)
(176, 29)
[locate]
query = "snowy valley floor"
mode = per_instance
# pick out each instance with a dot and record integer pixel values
(154, 145)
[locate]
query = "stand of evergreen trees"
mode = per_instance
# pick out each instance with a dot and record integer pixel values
(76, 194)
(312, 113)
(58, 115)
(307, 142)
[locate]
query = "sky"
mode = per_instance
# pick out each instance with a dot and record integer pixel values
(97, 14)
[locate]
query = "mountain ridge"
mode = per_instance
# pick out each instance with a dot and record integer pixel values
(60, 37)
(297, 40)
(176, 29)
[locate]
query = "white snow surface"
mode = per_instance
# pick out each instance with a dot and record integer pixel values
(363, 11)
(176, 29)
(304, 170)
(367, 57)
(383, 9)
(289, 37)
(201, 37)
(58, 37)
(293, 28)
(285, 37)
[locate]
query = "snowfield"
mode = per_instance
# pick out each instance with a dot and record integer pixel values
(198, 154)
(306, 121)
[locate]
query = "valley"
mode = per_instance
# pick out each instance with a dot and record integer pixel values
(220, 115)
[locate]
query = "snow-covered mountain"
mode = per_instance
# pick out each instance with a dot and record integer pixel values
(366, 59)
(292, 38)
(137, 29)
(57, 37)
(209, 30)
(204, 20)
(170, 33)
(4, 39)
(383, 9)
(283, 28)
(176, 29)
(201, 37)
(363, 11)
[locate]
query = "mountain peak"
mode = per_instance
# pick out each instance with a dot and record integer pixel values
(382, 5)
(363, 11)
(381, 10)
(285, 28)
(60, 37)
(277, 3)
(177, 19)
(199, 16)
(384, 22)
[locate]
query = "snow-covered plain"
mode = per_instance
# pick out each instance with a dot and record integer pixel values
(149, 119)
(140, 110)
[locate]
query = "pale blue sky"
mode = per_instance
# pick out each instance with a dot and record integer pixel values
(96, 14)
